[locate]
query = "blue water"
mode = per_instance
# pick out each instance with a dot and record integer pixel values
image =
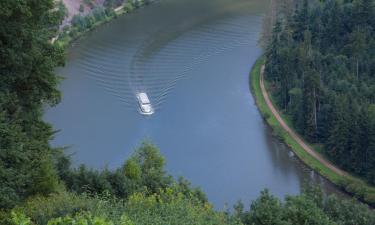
(193, 59)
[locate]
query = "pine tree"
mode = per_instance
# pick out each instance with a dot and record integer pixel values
(301, 21)
(310, 101)
(337, 143)
(364, 12)
(27, 82)
(272, 54)
(370, 150)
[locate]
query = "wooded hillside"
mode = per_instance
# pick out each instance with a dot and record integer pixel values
(321, 70)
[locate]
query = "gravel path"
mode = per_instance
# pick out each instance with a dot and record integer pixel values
(295, 136)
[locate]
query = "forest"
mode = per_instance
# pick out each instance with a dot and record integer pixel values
(321, 71)
(38, 184)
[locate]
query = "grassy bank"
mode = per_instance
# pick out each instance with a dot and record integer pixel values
(348, 183)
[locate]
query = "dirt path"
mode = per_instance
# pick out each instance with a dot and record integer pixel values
(292, 133)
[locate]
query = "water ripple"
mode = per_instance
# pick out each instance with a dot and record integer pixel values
(124, 67)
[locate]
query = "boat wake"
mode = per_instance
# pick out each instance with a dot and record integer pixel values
(124, 68)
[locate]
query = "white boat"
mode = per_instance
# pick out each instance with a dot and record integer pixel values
(144, 104)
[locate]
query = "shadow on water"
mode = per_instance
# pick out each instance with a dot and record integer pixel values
(285, 160)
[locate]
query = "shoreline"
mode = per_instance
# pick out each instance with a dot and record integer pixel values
(64, 39)
(344, 181)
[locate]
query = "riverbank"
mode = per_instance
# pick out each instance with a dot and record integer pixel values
(81, 24)
(150, 48)
(303, 150)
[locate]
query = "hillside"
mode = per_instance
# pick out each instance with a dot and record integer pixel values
(73, 7)
(320, 70)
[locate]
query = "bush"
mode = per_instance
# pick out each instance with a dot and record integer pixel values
(82, 219)
(128, 7)
(169, 206)
(42, 209)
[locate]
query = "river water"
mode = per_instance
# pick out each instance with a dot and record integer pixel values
(193, 58)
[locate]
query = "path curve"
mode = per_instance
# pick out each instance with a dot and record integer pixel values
(295, 136)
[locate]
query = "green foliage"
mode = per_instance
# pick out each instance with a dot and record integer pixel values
(98, 15)
(151, 164)
(132, 169)
(80, 219)
(113, 3)
(27, 82)
(41, 209)
(143, 171)
(128, 7)
(302, 209)
(82, 23)
(171, 206)
(345, 212)
(307, 208)
(140, 192)
(20, 219)
(184, 186)
(265, 210)
(62, 10)
(320, 65)
(356, 187)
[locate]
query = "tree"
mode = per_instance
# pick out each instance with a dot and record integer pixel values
(357, 43)
(303, 210)
(320, 67)
(27, 82)
(369, 150)
(265, 210)
(151, 164)
(364, 12)
(300, 23)
(337, 143)
(273, 58)
(348, 212)
(132, 170)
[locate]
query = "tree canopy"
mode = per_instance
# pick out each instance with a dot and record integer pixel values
(27, 81)
(321, 69)
(324, 80)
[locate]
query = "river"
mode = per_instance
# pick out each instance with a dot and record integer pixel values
(193, 58)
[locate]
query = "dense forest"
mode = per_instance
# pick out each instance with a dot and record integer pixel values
(39, 186)
(321, 70)
(27, 82)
